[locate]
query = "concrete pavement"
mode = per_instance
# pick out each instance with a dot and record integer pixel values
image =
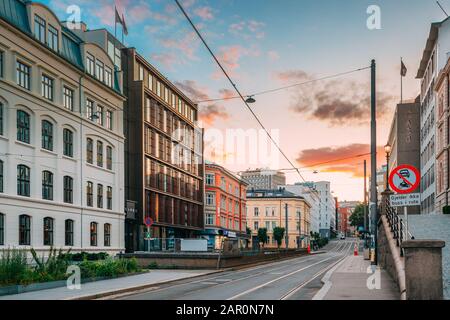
(354, 279)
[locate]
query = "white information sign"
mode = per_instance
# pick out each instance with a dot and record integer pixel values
(405, 200)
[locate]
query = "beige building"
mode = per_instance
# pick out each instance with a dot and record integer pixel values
(267, 209)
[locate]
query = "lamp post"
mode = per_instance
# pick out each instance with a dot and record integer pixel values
(388, 150)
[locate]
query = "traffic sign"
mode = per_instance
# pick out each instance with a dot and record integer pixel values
(148, 221)
(404, 179)
(405, 200)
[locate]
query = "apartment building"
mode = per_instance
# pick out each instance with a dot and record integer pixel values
(264, 178)
(433, 60)
(267, 209)
(61, 136)
(225, 207)
(163, 157)
(327, 209)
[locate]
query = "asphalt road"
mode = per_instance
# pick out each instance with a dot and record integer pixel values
(292, 279)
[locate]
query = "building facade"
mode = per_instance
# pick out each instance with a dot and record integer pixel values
(443, 139)
(345, 211)
(381, 182)
(264, 179)
(327, 210)
(225, 207)
(311, 195)
(163, 157)
(61, 136)
(267, 209)
(404, 139)
(434, 58)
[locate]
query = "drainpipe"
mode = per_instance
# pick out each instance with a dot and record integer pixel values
(81, 161)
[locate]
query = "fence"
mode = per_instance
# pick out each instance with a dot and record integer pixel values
(397, 225)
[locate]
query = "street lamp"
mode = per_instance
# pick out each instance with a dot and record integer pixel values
(250, 99)
(388, 150)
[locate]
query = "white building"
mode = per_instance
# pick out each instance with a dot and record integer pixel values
(327, 209)
(311, 195)
(434, 58)
(61, 136)
(263, 179)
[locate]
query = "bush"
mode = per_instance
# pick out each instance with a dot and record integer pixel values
(13, 266)
(108, 268)
(446, 210)
(83, 256)
(153, 265)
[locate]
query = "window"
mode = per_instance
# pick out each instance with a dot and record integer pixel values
(24, 230)
(108, 158)
(99, 153)
(109, 195)
(23, 126)
(47, 185)
(99, 196)
(89, 150)
(68, 189)
(99, 70)
(90, 194)
(47, 135)
(210, 199)
(1, 63)
(150, 81)
(52, 37)
(93, 234)
(68, 232)
(107, 234)
(68, 98)
(256, 225)
(47, 87)
(109, 119)
(68, 143)
(48, 231)
(1, 119)
(210, 179)
(209, 219)
(1, 176)
(158, 88)
(90, 110)
(108, 76)
(141, 73)
(23, 180)
(99, 115)
(90, 62)
(39, 28)
(256, 212)
(174, 102)
(23, 75)
(2, 229)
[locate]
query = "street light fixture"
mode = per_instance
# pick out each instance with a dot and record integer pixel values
(388, 150)
(250, 99)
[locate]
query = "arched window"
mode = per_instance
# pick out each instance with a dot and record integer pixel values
(69, 232)
(23, 126)
(47, 185)
(1, 111)
(89, 150)
(68, 143)
(24, 230)
(107, 235)
(68, 189)
(99, 196)
(47, 135)
(99, 153)
(90, 194)
(48, 231)
(1, 176)
(94, 234)
(23, 180)
(2, 229)
(109, 158)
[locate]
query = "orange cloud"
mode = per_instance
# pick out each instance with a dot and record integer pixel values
(211, 113)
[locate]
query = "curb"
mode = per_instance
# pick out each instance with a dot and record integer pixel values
(327, 284)
(136, 288)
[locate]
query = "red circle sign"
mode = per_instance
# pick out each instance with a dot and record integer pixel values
(148, 221)
(404, 179)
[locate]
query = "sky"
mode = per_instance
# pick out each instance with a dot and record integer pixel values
(274, 43)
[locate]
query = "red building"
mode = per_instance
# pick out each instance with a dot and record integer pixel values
(225, 206)
(346, 209)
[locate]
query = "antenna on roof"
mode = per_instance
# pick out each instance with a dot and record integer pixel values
(442, 8)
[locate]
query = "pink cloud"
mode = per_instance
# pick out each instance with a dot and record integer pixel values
(248, 29)
(205, 13)
(273, 55)
(187, 45)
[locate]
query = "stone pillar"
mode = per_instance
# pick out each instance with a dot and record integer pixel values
(384, 196)
(423, 269)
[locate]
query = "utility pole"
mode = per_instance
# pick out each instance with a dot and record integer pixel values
(373, 161)
(287, 229)
(365, 195)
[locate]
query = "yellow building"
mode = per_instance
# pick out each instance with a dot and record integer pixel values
(267, 209)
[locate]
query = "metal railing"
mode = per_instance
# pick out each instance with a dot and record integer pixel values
(397, 225)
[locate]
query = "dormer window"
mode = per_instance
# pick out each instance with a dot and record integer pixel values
(52, 37)
(39, 28)
(99, 70)
(90, 63)
(108, 76)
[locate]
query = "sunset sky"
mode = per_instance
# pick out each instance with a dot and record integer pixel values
(272, 43)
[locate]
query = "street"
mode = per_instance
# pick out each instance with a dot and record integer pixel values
(293, 279)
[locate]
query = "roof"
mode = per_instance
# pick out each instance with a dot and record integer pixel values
(434, 33)
(270, 194)
(15, 12)
(226, 171)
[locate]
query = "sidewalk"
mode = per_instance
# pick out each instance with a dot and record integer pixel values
(99, 288)
(348, 281)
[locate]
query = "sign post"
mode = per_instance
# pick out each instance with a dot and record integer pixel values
(148, 222)
(404, 180)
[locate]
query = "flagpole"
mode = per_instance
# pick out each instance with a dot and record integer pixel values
(401, 80)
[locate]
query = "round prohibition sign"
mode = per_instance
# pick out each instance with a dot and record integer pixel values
(148, 222)
(404, 179)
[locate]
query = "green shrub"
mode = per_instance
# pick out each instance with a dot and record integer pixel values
(446, 210)
(13, 266)
(153, 265)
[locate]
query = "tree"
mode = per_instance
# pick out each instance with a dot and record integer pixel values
(262, 236)
(357, 218)
(248, 231)
(278, 234)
